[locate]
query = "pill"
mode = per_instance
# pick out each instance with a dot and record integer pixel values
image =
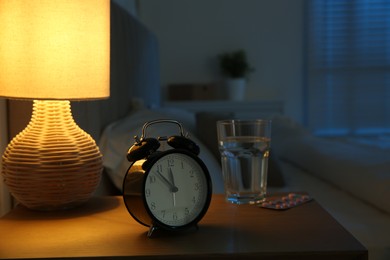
(292, 195)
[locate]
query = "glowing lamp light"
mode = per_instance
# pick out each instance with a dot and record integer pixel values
(52, 52)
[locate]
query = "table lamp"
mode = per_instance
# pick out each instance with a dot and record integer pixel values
(53, 51)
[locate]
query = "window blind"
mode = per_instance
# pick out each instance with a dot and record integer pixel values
(348, 67)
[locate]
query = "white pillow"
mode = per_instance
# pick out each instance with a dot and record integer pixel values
(118, 137)
(362, 171)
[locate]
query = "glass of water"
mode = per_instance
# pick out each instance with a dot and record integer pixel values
(244, 146)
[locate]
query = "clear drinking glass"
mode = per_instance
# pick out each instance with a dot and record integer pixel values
(244, 146)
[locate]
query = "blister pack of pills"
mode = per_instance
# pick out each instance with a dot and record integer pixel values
(285, 202)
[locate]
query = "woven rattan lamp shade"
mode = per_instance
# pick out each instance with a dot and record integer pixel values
(52, 163)
(52, 52)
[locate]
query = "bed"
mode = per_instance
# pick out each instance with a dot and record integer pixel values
(350, 181)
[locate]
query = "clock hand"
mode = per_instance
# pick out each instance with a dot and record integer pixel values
(174, 198)
(174, 188)
(171, 186)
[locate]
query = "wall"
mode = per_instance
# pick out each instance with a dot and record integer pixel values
(192, 33)
(5, 199)
(128, 5)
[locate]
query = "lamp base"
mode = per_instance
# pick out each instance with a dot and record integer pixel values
(52, 164)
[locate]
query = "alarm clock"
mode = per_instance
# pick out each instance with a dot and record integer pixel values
(166, 189)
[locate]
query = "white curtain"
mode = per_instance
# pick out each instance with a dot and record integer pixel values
(348, 67)
(5, 198)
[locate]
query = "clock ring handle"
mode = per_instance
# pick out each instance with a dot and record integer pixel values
(147, 124)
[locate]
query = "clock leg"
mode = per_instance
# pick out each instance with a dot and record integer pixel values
(151, 230)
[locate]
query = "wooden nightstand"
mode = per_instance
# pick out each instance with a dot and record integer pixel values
(103, 228)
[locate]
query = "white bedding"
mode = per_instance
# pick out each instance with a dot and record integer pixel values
(360, 170)
(118, 137)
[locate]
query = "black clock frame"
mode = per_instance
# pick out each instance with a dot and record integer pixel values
(135, 202)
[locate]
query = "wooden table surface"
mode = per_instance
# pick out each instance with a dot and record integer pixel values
(103, 228)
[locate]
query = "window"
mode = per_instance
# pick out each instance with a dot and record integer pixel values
(348, 67)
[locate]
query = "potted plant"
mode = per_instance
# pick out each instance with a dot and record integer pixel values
(235, 67)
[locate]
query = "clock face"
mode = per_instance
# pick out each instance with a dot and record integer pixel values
(177, 189)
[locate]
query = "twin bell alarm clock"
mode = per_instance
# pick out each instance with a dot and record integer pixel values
(166, 189)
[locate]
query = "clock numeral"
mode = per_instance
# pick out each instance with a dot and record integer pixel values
(152, 179)
(171, 162)
(196, 186)
(159, 167)
(152, 206)
(193, 200)
(186, 211)
(147, 192)
(174, 216)
(192, 173)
